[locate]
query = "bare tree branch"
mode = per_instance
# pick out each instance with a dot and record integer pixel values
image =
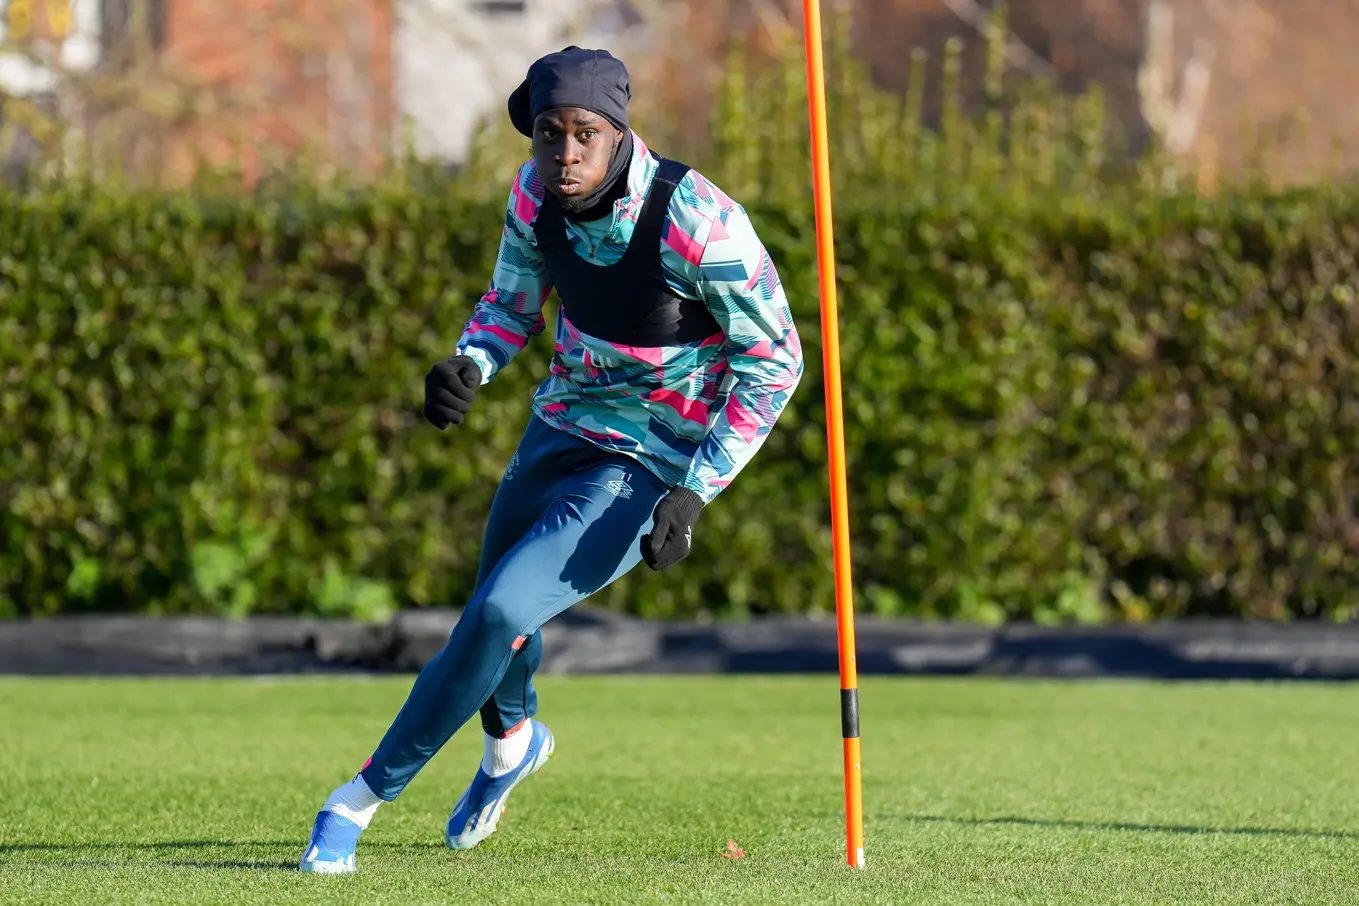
(1175, 118)
(1016, 51)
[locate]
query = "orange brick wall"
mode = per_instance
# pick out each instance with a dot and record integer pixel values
(275, 76)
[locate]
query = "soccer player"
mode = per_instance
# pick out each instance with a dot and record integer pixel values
(675, 355)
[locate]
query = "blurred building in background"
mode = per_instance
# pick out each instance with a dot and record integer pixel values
(456, 61)
(1209, 77)
(160, 84)
(169, 83)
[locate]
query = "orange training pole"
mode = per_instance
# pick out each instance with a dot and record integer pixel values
(835, 436)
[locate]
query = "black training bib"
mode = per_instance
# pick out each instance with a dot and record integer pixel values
(627, 303)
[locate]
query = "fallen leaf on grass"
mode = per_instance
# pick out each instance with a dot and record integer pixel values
(734, 850)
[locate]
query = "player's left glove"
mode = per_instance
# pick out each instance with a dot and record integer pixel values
(672, 535)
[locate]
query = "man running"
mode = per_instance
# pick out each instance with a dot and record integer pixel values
(675, 355)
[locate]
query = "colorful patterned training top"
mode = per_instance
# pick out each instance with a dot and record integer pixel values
(695, 415)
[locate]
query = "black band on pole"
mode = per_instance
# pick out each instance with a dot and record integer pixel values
(849, 713)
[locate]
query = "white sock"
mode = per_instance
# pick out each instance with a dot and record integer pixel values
(504, 755)
(354, 801)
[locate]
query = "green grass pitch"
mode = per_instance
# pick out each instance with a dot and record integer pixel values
(976, 791)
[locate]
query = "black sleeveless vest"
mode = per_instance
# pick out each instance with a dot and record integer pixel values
(628, 303)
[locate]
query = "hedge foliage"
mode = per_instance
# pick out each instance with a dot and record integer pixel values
(1069, 395)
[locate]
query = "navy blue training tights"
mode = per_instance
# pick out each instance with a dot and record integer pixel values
(566, 521)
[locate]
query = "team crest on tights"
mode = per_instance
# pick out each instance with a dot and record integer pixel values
(618, 488)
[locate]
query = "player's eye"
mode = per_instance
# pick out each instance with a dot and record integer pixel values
(588, 134)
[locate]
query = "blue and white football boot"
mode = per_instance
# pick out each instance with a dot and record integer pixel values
(478, 812)
(331, 848)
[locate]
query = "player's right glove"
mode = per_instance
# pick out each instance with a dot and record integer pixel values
(449, 389)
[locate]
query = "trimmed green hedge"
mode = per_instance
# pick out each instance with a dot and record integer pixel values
(1053, 411)
(1074, 391)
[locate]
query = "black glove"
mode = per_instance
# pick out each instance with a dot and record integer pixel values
(449, 388)
(673, 533)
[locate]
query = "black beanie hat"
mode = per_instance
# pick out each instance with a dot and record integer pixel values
(593, 79)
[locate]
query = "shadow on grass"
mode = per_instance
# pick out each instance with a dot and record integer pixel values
(1127, 827)
(167, 846)
(242, 865)
(230, 864)
(187, 844)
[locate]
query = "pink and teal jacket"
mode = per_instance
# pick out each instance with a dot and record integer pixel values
(694, 415)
